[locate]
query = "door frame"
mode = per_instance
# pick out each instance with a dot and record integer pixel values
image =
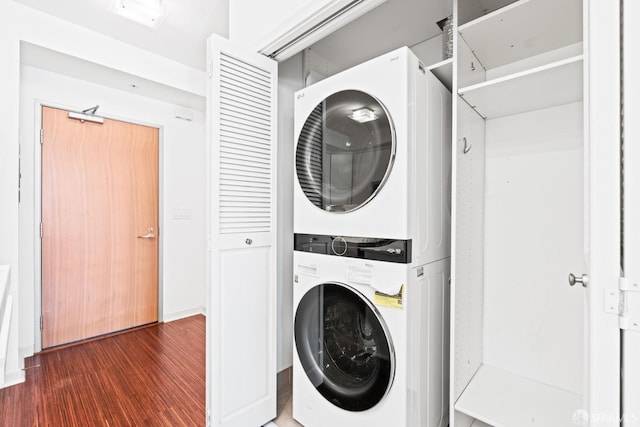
(631, 239)
(37, 207)
(602, 396)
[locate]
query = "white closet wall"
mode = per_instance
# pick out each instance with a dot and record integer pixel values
(520, 331)
(467, 248)
(533, 321)
(289, 82)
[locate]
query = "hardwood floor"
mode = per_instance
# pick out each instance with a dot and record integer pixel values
(153, 376)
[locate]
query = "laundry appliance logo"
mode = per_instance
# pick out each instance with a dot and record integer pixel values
(582, 417)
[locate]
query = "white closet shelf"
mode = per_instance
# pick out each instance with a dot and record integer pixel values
(443, 70)
(500, 398)
(523, 29)
(546, 86)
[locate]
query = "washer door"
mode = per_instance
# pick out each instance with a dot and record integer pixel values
(344, 346)
(345, 151)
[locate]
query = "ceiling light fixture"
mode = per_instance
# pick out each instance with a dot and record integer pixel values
(362, 115)
(146, 12)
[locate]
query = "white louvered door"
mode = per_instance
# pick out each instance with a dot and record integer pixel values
(241, 298)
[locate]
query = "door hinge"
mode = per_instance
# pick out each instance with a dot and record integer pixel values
(41, 232)
(625, 302)
(210, 69)
(41, 323)
(41, 136)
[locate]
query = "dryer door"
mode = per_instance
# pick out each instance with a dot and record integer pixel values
(345, 151)
(344, 346)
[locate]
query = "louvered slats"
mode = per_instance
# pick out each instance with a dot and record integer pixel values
(309, 156)
(245, 161)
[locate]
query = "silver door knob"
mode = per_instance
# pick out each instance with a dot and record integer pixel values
(149, 235)
(583, 280)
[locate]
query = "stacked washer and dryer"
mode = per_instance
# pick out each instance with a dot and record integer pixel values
(372, 247)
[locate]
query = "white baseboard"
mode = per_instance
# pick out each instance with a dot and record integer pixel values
(170, 317)
(25, 352)
(13, 378)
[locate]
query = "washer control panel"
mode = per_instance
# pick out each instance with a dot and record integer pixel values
(379, 249)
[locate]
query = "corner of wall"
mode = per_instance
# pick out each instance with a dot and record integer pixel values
(170, 317)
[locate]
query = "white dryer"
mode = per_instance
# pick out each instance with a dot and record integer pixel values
(370, 342)
(373, 154)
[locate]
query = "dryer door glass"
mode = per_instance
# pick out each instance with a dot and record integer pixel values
(345, 151)
(344, 346)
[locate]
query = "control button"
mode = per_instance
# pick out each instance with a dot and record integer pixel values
(339, 246)
(393, 251)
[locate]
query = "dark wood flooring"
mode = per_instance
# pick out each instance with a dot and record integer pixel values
(153, 376)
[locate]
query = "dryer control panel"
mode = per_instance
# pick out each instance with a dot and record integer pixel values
(379, 249)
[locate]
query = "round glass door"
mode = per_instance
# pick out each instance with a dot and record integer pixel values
(345, 151)
(344, 346)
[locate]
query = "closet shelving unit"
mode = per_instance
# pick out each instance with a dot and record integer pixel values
(545, 86)
(530, 52)
(516, 34)
(443, 70)
(500, 398)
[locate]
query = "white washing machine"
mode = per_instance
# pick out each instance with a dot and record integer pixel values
(370, 342)
(373, 155)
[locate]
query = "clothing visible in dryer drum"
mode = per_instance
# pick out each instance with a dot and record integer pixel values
(344, 347)
(370, 349)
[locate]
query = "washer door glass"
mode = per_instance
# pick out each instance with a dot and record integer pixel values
(344, 346)
(345, 151)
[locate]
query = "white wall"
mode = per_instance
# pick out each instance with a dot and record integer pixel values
(9, 88)
(533, 324)
(289, 81)
(19, 23)
(256, 28)
(429, 51)
(317, 67)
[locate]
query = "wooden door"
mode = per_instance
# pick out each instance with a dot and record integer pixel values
(241, 327)
(99, 227)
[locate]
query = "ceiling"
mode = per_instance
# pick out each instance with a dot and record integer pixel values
(183, 33)
(181, 36)
(393, 24)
